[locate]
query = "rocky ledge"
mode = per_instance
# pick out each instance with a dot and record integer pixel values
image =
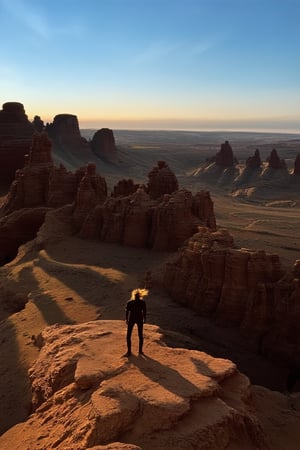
(85, 394)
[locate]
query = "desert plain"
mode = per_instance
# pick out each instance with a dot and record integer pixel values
(56, 279)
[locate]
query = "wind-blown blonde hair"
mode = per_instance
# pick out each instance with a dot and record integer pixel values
(142, 293)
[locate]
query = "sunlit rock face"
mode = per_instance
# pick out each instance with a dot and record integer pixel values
(103, 144)
(242, 288)
(15, 140)
(254, 162)
(85, 395)
(274, 162)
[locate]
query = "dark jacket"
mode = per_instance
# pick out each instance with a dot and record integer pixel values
(136, 310)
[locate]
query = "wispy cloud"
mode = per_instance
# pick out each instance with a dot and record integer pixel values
(36, 21)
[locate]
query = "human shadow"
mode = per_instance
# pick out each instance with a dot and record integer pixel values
(167, 377)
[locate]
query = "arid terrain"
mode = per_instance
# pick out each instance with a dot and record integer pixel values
(68, 280)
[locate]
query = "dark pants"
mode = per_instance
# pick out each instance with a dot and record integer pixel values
(140, 332)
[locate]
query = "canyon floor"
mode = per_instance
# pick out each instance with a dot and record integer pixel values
(72, 281)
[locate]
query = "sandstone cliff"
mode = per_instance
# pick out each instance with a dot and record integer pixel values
(15, 140)
(239, 287)
(85, 395)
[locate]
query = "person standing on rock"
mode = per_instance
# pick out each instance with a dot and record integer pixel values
(136, 314)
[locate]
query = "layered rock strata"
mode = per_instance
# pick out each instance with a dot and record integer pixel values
(242, 288)
(85, 398)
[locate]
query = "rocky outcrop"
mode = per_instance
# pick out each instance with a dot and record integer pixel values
(30, 186)
(147, 217)
(38, 124)
(17, 228)
(15, 140)
(86, 398)
(92, 191)
(103, 144)
(161, 181)
(65, 134)
(225, 156)
(239, 287)
(274, 162)
(124, 188)
(139, 221)
(254, 162)
(297, 165)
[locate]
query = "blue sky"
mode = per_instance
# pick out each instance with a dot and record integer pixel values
(188, 64)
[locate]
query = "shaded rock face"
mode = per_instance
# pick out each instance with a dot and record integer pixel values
(139, 221)
(239, 287)
(161, 180)
(254, 162)
(132, 219)
(225, 156)
(175, 399)
(275, 162)
(65, 134)
(17, 228)
(103, 144)
(297, 165)
(38, 124)
(124, 188)
(15, 140)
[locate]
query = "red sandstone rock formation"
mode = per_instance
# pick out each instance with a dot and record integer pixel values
(275, 162)
(239, 287)
(15, 140)
(92, 191)
(161, 180)
(175, 399)
(297, 165)
(103, 144)
(253, 162)
(203, 207)
(225, 156)
(65, 134)
(124, 188)
(30, 186)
